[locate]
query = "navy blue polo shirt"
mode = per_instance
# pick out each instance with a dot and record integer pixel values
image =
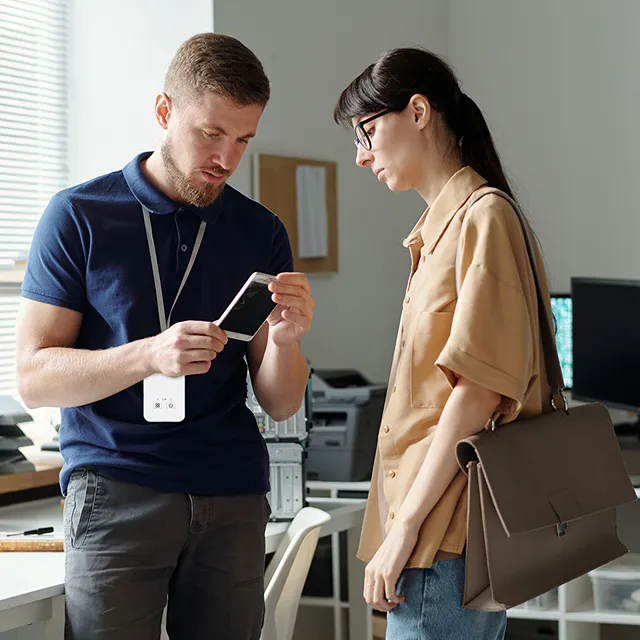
(90, 254)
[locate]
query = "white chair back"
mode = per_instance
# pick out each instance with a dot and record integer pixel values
(286, 574)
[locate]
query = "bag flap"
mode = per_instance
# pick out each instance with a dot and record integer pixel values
(552, 468)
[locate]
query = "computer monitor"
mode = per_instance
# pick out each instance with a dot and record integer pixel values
(606, 341)
(561, 307)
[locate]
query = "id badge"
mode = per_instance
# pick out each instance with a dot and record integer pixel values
(164, 398)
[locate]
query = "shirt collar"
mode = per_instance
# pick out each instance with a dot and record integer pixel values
(155, 200)
(435, 220)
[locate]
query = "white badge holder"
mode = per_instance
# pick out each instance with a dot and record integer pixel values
(164, 398)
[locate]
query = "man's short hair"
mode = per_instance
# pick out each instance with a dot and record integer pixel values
(219, 64)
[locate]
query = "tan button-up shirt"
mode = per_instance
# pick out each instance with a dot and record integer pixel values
(487, 332)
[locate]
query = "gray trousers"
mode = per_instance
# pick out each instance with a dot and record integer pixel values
(128, 549)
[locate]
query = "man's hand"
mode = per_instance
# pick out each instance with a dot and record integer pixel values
(186, 348)
(291, 319)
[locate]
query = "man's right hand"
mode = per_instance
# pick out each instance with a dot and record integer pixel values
(186, 348)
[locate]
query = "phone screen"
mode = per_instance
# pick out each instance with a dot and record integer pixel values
(251, 310)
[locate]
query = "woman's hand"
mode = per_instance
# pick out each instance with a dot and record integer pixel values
(382, 573)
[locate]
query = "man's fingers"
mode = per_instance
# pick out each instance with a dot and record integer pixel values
(292, 302)
(201, 328)
(287, 289)
(296, 279)
(191, 342)
(291, 295)
(296, 318)
(198, 355)
(194, 327)
(196, 368)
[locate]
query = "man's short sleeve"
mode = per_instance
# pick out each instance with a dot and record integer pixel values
(281, 254)
(491, 340)
(57, 260)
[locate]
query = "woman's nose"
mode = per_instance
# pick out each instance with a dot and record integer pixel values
(363, 157)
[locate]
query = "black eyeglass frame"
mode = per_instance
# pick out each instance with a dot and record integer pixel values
(362, 137)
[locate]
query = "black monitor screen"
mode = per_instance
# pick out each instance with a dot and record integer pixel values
(606, 341)
(561, 306)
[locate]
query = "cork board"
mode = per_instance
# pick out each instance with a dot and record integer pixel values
(274, 185)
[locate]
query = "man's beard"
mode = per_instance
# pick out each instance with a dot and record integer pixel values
(189, 193)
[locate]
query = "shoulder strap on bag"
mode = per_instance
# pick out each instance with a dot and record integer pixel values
(549, 347)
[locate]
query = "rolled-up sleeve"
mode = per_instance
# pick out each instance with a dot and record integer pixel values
(491, 339)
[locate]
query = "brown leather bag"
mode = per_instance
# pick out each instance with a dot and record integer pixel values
(542, 491)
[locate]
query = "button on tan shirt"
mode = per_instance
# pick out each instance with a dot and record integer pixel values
(487, 332)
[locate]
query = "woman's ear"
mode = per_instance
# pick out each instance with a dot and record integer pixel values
(420, 110)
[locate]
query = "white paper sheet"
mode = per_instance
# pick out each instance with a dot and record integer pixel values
(311, 192)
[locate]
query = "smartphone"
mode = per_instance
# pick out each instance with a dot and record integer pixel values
(250, 309)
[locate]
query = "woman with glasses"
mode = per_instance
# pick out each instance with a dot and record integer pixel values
(468, 351)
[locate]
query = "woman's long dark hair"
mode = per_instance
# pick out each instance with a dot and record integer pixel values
(398, 75)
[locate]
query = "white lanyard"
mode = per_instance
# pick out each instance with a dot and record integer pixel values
(165, 321)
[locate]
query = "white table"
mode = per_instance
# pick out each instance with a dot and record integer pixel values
(32, 584)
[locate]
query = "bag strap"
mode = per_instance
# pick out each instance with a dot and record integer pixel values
(547, 334)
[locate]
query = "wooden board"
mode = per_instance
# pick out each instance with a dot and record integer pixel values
(42, 477)
(34, 543)
(275, 187)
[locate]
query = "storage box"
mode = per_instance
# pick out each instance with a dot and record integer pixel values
(287, 477)
(543, 602)
(616, 586)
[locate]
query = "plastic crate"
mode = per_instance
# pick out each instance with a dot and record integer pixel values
(287, 478)
(543, 602)
(616, 586)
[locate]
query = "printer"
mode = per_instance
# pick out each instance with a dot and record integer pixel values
(12, 437)
(346, 410)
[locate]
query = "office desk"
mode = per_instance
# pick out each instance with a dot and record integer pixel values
(32, 584)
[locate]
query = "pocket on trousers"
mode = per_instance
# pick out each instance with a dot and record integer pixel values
(429, 386)
(79, 506)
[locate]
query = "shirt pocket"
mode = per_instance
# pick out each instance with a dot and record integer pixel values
(429, 387)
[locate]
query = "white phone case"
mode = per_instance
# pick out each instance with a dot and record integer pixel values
(263, 278)
(164, 398)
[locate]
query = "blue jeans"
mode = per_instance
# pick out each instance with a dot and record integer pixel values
(432, 609)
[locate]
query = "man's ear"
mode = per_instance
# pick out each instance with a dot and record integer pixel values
(163, 109)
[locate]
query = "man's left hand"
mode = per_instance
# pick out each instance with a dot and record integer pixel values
(291, 319)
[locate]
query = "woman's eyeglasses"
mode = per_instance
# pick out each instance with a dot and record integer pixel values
(362, 137)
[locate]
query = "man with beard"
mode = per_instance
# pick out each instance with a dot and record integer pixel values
(126, 276)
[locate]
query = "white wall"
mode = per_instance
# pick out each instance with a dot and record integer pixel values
(557, 81)
(119, 54)
(560, 86)
(311, 51)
